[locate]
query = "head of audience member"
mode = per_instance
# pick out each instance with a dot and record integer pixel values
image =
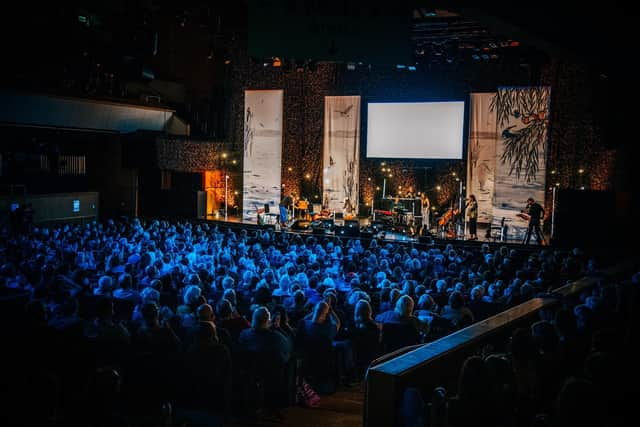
(261, 318)
(150, 314)
(476, 294)
(404, 306)
(125, 281)
(456, 300)
(473, 380)
(362, 313)
(105, 285)
(426, 302)
(441, 286)
(192, 295)
(224, 309)
(230, 295)
(228, 282)
(206, 334)
(149, 294)
(320, 312)
(394, 295)
(205, 313)
(330, 297)
(280, 313)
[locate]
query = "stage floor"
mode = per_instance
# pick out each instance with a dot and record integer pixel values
(403, 233)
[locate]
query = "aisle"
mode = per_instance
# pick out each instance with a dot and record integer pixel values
(341, 409)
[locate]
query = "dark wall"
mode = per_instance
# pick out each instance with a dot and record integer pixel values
(177, 201)
(594, 219)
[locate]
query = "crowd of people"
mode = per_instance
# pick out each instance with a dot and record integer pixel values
(131, 319)
(570, 366)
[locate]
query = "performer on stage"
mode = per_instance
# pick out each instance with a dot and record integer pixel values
(534, 211)
(285, 207)
(347, 209)
(425, 209)
(472, 213)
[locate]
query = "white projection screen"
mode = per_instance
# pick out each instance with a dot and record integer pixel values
(415, 130)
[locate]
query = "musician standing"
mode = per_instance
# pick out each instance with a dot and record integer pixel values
(472, 213)
(535, 211)
(425, 207)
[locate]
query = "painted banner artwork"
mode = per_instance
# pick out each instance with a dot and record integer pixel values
(262, 151)
(481, 164)
(341, 154)
(522, 117)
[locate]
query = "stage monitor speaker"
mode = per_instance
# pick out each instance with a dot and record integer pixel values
(366, 234)
(352, 223)
(319, 231)
(347, 231)
(424, 239)
(301, 224)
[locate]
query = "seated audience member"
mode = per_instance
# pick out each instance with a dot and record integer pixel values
(479, 307)
(67, 321)
(205, 313)
(263, 340)
(266, 352)
(192, 298)
(296, 307)
(154, 336)
(125, 289)
(457, 312)
(388, 308)
(281, 323)
(230, 320)
(205, 380)
(103, 328)
(472, 405)
(365, 335)
(105, 287)
(403, 313)
(426, 313)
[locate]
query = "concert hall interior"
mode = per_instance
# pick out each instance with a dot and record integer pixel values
(308, 213)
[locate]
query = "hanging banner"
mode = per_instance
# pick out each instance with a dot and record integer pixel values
(341, 154)
(481, 163)
(262, 152)
(522, 116)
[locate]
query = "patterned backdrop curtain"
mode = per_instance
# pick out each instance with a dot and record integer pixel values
(507, 154)
(483, 135)
(262, 151)
(522, 117)
(341, 152)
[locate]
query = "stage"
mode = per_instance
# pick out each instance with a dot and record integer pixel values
(367, 228)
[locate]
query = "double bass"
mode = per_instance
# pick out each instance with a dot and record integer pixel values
(447, 217)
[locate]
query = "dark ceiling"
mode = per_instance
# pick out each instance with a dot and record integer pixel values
(595, 34)
(442, 31)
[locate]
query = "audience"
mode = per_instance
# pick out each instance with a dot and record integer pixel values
(174, 273)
